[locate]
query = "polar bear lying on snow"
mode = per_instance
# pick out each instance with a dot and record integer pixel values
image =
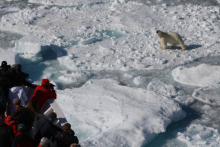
(171, 38)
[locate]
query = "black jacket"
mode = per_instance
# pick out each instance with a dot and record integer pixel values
(66, 139)
(6, 135)
(23, 140)
(49, 130)
(3, 101)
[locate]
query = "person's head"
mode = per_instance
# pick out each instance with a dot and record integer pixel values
(21, 128)
(14, 66)
(45, 83)
(4, 65)
(52, 116)
(66, 127)
(73, 145)
(17, 101)
(2, 119)
(44, 142)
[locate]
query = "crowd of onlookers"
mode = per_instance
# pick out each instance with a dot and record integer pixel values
(22, 124)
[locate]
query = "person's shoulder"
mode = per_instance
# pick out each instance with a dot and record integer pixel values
(58, 135)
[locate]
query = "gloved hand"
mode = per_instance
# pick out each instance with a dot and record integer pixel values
(52, 86)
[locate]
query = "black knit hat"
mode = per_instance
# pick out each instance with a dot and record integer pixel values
(4, 64)
(21, 127)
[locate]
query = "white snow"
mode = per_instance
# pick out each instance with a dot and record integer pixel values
(65, 2)
(74, 77)
(168, 90)
(202, 75)
(139, 80)
(198, 136)
(119, 35)
(28, 45)
(209, 95)
(119, 40)
(117, 115)
(10, 57)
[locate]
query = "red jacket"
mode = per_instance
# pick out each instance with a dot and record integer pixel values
(43, 93)
(12, 123)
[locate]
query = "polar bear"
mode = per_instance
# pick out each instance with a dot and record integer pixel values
(171, 38)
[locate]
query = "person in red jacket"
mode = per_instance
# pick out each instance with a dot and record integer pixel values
(22, 138)
(10, 121)
(43, 93)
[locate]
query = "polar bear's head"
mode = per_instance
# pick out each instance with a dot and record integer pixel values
(159, 33)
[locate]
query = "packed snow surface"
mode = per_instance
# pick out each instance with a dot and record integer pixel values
(64, 40)
(208, 95)
(119, 35)
(10, 57)
(117, 115)
(202, 75)
(199, 136)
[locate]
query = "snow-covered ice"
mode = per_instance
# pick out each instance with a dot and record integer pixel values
(168, 90)
(202, 75)
(116, 115)
(10, 57)
(199, 136)
(136, 48)
(209, 95)
(66, 41)
(28, 45)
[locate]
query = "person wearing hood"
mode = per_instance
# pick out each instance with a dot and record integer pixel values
(43, 93)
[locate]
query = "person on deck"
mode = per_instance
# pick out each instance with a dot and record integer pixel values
(22, 138)
(17, 104)
(4, 85)
(48, 129)
(17, 92)
(44, 142)
(67, 137)
(43, 93)
(10, 121)
(6, 133)
(19, 78)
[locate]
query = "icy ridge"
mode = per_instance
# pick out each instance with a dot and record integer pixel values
(141, 114)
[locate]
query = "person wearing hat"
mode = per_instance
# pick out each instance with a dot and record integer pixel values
(4, 86)
(6, 133)
(4, 67)
(22, 138)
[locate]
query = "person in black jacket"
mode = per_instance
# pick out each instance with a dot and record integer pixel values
(18, 78)
(4, 84)
(67, 137)
(48, 129)
(25, 116)
(6, 133)
(3, 102)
